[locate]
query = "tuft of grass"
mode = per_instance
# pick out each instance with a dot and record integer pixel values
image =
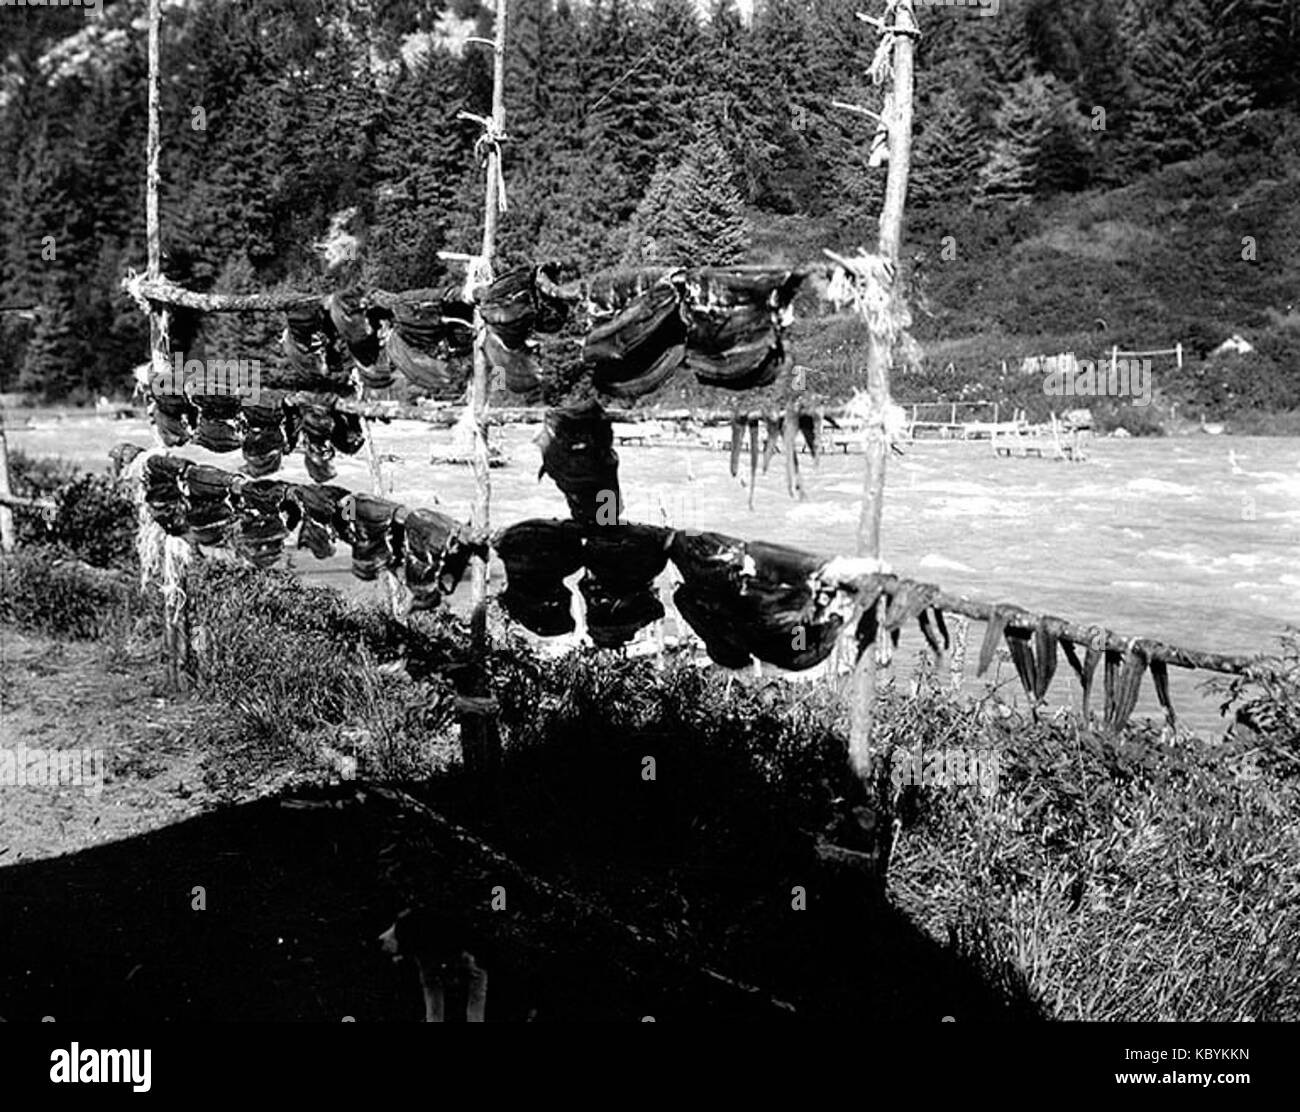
(44, 590)
(310, 677)
(1138, 878)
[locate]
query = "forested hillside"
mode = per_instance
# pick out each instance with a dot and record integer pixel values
(1096, 164)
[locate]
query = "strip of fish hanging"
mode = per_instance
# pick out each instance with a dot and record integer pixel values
(992, 637)
(1022, 656)
(1045, 654)
(1160, 678)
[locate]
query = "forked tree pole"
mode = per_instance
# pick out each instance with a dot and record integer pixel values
(480, 741)
(175, 635)
(479, 383)
(879, 356)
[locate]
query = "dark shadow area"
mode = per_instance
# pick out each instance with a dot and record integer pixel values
(297, 894)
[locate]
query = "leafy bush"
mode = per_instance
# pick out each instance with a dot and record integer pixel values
(94, 517)
(95, 521)
(1266, 703)
(37, 476)
(46, 591)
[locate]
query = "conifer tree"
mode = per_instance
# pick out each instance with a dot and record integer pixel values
(732, 103)
(425, 172)
(1188, 97)
(947, 153)
(1022, 125)
(692, 213)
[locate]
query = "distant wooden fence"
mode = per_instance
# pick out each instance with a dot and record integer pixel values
(1068, 361)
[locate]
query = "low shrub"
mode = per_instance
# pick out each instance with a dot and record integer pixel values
(1265, 704)
(45, 590)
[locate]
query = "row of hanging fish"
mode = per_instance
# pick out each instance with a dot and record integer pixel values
(255, 517)
(723, 324)
(265, 430)
(746, 600)
(775, 428)
(1033, 643)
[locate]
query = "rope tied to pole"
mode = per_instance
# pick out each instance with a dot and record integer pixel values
(163, 557)
(133, 284)
(487, 145)
(871, 284)
(881, 69)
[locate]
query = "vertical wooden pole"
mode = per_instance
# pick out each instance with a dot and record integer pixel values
(7, 536)
(152, 236)
(879, 356)
(480, 740)
(158, 343)
(153, 245)
(175, 625)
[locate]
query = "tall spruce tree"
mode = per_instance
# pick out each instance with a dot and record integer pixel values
(1022, 125)
(1188, 96)
(731, 102)
(426, 176)
(692, 213)
(947, 154)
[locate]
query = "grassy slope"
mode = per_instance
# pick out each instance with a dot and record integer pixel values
(1141, 266)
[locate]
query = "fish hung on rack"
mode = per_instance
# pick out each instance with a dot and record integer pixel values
(171, 408)
(750, 599)
(539, 555)
(432, 335)
(216, 508)
(724, 324)
(1032, 643)
(325, 430)
(322, 517)
(767, 431)
(436, 552)
(211, 516)
(314, 354)
(642, 340)
(267, 517)
(164, 494)
(210, 404)
(358, 328)
(622, 563)
(903, 601)
(577, 445)
(270, 427)
(514, 308)
(430, 341)
(369, 529)
(736, 321)
(619, 563)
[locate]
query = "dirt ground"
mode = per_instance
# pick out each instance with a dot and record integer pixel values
(80, 695)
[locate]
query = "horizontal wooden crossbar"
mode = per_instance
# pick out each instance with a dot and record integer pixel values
(13, 501)
(1091, 636)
